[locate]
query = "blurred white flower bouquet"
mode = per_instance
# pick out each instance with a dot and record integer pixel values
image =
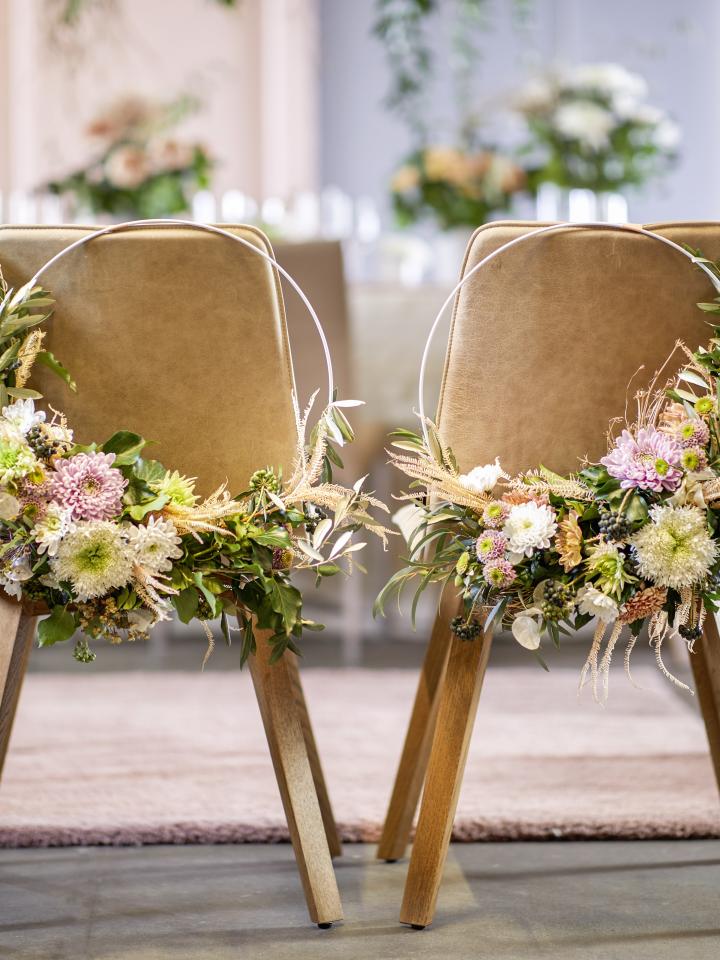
(139, 170)
(591, 127)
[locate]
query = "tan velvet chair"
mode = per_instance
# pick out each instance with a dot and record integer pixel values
(543, 343)
(180, 335)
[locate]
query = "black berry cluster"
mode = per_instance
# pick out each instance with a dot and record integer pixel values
(614, 526)
(557, 601)
(690, 633)
(465, 629)
(42, 444)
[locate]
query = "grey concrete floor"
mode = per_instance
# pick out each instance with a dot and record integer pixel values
(515, 901)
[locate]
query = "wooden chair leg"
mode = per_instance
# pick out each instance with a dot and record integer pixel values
(331, 830)
(706, 669)
(467, 660)
(411, 771)
(275, 691)
(17, 630)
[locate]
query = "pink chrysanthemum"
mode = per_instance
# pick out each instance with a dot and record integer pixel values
(490, 545)
(649, 461)
(694, 433)
(495, 513)
(499, 573)
(88, 486)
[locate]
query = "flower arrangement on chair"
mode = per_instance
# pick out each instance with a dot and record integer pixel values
(456, 187)
(139, 169)
(591, 127)
(628, 542)
(107, 542)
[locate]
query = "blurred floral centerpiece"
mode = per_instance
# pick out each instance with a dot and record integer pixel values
(454, 187)
(591, 127)
(139, 169)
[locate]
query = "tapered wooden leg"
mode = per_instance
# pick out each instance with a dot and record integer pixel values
(331, 830)
(416, 749)
(276, 695)
(467, 660)
(16, 636)
(706, 669)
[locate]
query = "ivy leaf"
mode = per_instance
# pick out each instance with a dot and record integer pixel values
(186, 603)
(287, 601)
(49, 360)
(125, 445)
(59, 626)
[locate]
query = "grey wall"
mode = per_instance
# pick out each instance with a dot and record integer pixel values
(673, 43)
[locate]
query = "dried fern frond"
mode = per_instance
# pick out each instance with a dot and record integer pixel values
(149, 587)
(439, 481)
(205, 517)
(27, 354)
(569, 488)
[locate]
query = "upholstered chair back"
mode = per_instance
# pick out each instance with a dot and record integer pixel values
(546, 337)
(172, 333)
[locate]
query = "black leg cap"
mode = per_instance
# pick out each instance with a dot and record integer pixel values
(394, 860)
(418, 926)
(324, 926)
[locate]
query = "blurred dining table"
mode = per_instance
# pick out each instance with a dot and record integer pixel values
(389, 325)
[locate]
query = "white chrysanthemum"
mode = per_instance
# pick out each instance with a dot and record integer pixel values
(529, 526)
(585, 121)
(594, 602)
(675, 549)
(22, 415)
(482, 479)
(49, 531)
(16, 458)
(155, 545)
(94, 557)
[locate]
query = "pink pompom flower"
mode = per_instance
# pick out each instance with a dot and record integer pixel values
(649, 461)
(88, 486)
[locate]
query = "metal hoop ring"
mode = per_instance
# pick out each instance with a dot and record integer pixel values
(628, 228)
(207, 228)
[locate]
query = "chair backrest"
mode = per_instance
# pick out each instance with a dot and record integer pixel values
(317, 265)
(173, 333)
(546, 337)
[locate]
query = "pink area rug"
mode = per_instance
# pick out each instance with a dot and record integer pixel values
(181, 758)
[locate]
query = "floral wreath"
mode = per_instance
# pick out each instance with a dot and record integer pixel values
(630, 541)
(106, 542)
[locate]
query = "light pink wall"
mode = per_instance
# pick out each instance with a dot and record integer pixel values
(255, 68)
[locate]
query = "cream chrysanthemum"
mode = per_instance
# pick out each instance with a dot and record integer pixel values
(155, 544)
(529, 526)
(675, 549)
(94, 557)
(51, 528)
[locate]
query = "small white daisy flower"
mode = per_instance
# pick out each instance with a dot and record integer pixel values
(49, 531)
(594, 602)
(482, 479)
(22, 416)
(155, 545)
